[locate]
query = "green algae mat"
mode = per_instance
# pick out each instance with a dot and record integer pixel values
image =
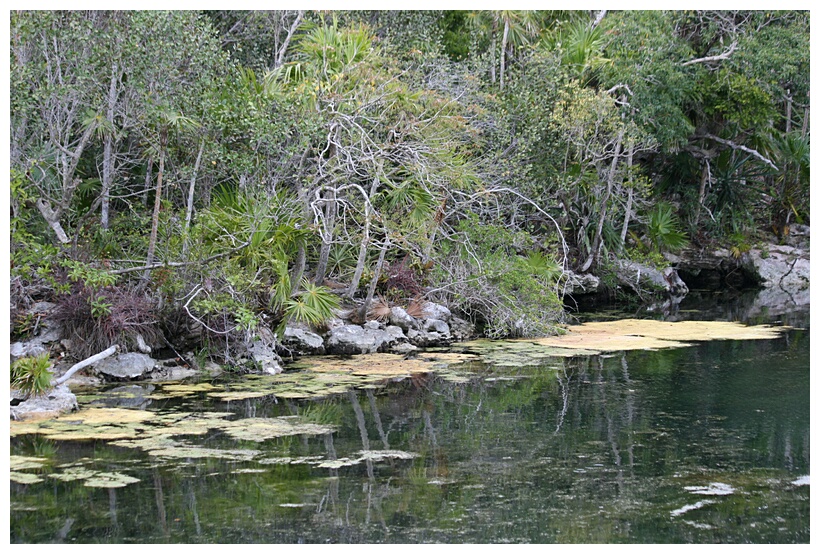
(612, 336)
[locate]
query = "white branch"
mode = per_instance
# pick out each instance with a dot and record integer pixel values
(746, 149)
(718, 57)
(85, 363)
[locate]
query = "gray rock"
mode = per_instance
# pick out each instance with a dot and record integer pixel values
(354, 339)
(584, 283)
(427, 338)
(265, 357)
(400, 318)
(25, 349)
(302, 341)
(395, 332)
(641, 277)
(461, 330)
(372, 324)
(438, 326)
(780, 266)
(437, 311)
(58, 401)
(131, 365)
(403, 348)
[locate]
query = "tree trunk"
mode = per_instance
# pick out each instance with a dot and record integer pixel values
(189, 212)
(503, 52)
(628, 211)
(324, 252)
(598, 240)
(371, 290)
(152, 241)
(357, 275)
(280, 58)
(108, 149)
(53, 220)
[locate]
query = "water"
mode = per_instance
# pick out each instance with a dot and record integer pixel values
(703, 444)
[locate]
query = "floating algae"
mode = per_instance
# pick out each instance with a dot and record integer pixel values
(597, 337)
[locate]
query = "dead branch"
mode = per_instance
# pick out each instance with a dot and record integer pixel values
(85, 363)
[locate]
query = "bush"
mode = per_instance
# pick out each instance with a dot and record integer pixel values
(100, 317)
(486, 278)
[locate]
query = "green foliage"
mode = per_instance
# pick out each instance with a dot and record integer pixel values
(314, 305)
(88, 275)
(508, 294)
(664, 229)
(32, 374)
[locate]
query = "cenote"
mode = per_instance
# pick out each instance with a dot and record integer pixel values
(707, 443)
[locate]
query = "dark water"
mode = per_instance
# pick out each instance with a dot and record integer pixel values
(693, 445)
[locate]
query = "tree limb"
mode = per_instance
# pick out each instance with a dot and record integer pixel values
(85, 363)
(718, 57)
(746, 149)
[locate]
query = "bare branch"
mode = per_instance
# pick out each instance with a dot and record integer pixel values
(725, 55)
(746, 149)
(85, 363)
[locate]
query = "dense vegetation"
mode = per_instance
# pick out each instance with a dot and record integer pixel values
(228, 172)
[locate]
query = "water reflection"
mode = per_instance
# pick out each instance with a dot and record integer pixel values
(628, 447)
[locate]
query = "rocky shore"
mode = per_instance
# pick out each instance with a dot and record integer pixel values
(781, 272)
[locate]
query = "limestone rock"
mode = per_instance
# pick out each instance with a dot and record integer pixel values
(437, 311)
(354, 339)
(780, 266)
(302, 341)
(400, 318)
(438, 326)
(131, 365)
(58, 401)
(461, 330)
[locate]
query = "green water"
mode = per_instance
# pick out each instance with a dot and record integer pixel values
(691, 445)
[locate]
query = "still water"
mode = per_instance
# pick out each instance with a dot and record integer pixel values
(703, 444)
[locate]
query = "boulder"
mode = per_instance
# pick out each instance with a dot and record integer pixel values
(438, 326)
(400, 318)
(427, 338)
(58, 401)
(437, 311)
(354, 339)
(302, 341)
(784, 267)
(461, 330)
(580, 283)
(265, 357)
(131, 365)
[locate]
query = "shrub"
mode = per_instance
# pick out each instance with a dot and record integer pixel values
(485, 278)
(98, 318)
